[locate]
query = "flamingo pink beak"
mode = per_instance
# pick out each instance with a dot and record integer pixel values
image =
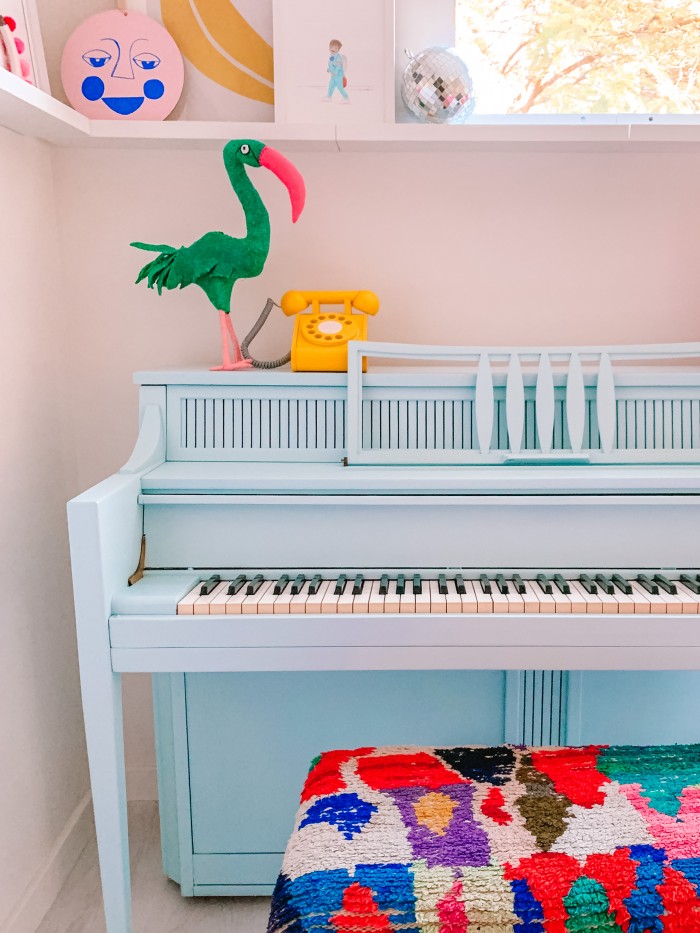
(289, 175)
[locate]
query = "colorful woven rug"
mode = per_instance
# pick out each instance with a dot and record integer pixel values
(459, 840)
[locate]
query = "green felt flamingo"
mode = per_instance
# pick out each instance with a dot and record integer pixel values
(216, 261)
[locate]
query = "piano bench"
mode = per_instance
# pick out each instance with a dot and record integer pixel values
(445, 840)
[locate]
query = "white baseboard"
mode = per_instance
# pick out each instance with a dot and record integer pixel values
(44, 887)
(141, 784)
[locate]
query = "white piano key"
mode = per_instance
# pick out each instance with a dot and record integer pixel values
(423, 598)
(329, 603)
(376, 599)
(469, 599)
(407, 602)
(530, 601)
(438, 600)
(360, 603)
(315, 603)
(392, 601)
(201, 605)
(186, 605)
(453, 601)
(591, 601)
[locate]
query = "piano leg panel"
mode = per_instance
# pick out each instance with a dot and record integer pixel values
(102, 708)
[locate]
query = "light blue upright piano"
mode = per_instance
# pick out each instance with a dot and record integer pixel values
(488, 549)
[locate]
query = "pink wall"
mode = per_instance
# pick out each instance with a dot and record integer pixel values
(43, 780)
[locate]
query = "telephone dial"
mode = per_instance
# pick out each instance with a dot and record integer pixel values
(320, 340)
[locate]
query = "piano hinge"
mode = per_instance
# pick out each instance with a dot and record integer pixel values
(344, 461)
(138, 573)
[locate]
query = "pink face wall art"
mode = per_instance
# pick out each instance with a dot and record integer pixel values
(122, 65)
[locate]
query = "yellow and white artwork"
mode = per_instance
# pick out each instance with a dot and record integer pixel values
(227, 46)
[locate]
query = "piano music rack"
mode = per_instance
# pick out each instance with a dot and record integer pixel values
(521, 405)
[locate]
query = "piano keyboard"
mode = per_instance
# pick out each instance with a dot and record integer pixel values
(397, 593)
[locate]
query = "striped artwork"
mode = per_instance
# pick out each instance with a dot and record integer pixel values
(508, 838)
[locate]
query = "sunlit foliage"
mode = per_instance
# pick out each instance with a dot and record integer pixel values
(582, 56)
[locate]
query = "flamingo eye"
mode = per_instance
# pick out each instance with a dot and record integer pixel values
(97, 58)
(245, 148)
(146, 60)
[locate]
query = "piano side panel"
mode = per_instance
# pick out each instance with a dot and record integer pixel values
(634, 707)
(539, 532)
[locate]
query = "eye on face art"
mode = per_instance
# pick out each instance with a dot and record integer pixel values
(122, 65)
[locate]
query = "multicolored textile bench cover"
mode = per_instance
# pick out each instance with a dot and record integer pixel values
(455, 840)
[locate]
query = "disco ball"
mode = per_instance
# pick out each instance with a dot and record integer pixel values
(436, 86)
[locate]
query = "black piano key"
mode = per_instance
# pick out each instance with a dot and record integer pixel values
(384, 584)
(357, 585)
(298, 583)
(697, 577)
(622, 584)
(665, 583)
(281, 585)
(519, 584)
(209, 585)
(340, 585)
(693, 585)
(502, 584)
(237, 584)
(255, 584)
(588, 584)
(459, 584)
(315, 584)
(417, 584)
(648, 584)
(605, 584)
(442, 584)
(485, 583)
(401, 584)
(544, 584)
(562, 584)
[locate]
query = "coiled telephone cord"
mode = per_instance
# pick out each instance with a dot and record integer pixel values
(253, 333)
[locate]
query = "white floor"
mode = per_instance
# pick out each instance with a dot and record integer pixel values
(157, 903)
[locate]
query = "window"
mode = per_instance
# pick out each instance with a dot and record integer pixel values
(581, 56)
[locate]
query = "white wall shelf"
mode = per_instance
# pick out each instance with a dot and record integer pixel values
(30, 112)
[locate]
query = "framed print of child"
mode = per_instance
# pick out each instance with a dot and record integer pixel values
(316, 43)
(337, 69)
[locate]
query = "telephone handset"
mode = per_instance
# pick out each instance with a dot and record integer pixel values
(320, 341)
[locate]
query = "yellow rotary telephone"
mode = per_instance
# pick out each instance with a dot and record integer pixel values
(320, 340)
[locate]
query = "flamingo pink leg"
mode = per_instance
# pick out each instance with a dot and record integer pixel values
(229, 334)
